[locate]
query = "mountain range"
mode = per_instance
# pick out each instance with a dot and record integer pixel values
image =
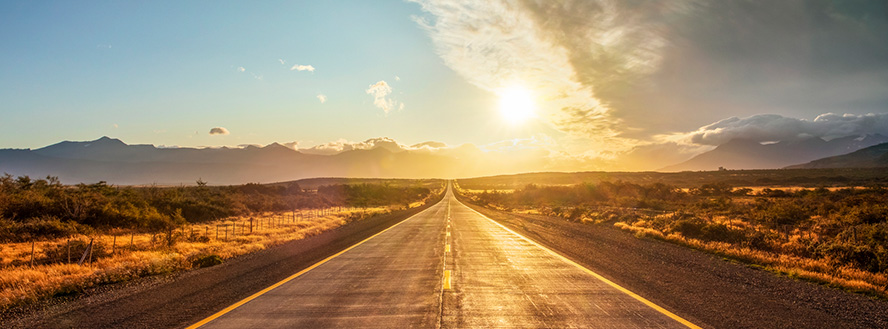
(749, 154)
(871, 157)
(112, 160)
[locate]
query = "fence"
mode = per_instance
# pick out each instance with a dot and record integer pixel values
(85, 249)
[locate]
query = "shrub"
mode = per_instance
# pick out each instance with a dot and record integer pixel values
(206, 261)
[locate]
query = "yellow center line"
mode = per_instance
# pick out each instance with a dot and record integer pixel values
(650, 304)
(289, 278)
(447, 248)
(448, 233)
(447, 280)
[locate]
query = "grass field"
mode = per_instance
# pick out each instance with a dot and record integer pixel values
(833, 235)
(124, 256)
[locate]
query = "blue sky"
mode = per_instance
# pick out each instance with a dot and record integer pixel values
(167, 72)
(609, 80)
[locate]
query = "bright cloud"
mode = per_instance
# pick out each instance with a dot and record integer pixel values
(620, 73)
(219, 131)
(241, 69)
(298, 67)
(322, 98)
(567, 52)
(774, 127)
(380, 92)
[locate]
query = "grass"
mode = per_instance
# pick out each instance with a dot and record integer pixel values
(814, 270)
(152, 254)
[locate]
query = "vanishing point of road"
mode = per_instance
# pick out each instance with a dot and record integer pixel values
(446, 267)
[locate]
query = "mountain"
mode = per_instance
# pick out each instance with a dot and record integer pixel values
(112, 160)
(748, 154)
(870, 157)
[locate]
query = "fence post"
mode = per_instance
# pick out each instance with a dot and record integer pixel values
(251, 225)
(69, 250)
(132, 235)
(113, 245)
(217, 232)
(32, 253)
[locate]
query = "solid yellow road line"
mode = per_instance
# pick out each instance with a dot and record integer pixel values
(598, 276)
(263, 291)
(446, 248)
(448, 234)
(446, 279)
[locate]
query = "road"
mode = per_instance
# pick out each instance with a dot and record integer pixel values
(447, 267)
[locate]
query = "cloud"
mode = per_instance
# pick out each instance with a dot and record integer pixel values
(241, 69)
(298, 67)
(619, 73)
(342, 145)
(282, 61)
(115, 126)
(774, 127)
(322, 98)
(567, 52)
(291, 145)
(397, 78)
(219, 131)
(380, 92)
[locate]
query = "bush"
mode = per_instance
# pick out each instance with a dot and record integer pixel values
(39, 228)
(59, 254)
(206, 261)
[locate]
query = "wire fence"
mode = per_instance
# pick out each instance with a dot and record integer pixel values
(85, 249)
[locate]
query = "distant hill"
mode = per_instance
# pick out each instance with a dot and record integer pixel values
(748, 154)
(870, 157)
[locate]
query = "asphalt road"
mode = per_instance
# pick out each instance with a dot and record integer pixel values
(447, 266)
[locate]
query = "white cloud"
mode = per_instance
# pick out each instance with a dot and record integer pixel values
(241, 69)
(397, 78)
(322, 98)
(219, 131)
(568, 52)
(115, 126)
(380, 92)
(344, 145)
(774, 127)
(298, 67)
(291, 145)
(282, 61)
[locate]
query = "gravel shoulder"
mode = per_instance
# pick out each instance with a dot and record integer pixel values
(178, 300)
(703, 288)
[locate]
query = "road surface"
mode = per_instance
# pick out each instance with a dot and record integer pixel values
(447, 267)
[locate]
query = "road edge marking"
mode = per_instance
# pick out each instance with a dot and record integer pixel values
(643, 300)
(291, 277)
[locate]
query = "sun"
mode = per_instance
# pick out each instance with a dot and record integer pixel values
(516, 104)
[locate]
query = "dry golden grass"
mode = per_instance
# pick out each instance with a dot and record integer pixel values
(815, 270)
(149, 254)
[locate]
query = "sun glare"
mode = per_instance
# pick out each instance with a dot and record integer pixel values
(516, 104)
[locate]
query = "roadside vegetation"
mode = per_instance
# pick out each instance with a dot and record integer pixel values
(834, 236)
(58, 240)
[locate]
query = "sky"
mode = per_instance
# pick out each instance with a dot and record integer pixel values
(612, 85)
